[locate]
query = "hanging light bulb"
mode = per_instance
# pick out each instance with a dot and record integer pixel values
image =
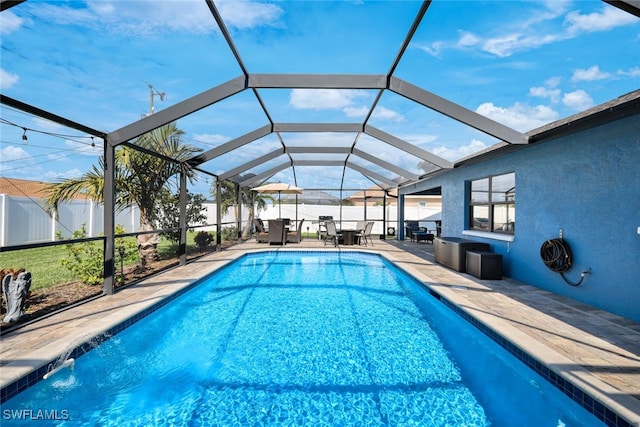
(24, 135)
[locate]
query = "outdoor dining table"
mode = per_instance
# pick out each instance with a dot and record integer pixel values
(350, 236)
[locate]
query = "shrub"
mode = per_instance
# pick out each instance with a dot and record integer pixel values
(203, 239)
(229, 233)
(85, 259)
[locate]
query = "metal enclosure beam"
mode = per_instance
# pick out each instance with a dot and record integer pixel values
(318, 150)
(456, 112)
(318, 81)
(631, 6)
(317, 127)
(405, 146)
(383, 163)
(265, 175)
(182, 220)
(374, 176)
(176, 111)
(109, 218)
(245, 167)
(231, 145)
(340, 163)
(30, 109)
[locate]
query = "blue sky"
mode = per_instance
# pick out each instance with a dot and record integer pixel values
(521, 63)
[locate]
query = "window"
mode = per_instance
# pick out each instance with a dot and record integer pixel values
(492, 205)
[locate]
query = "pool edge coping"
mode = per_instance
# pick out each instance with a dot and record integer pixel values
(589, 384)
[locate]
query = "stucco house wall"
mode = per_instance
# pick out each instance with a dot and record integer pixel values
(586, 184)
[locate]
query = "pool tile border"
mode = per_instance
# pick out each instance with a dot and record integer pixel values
(601, 411)
(590, 403)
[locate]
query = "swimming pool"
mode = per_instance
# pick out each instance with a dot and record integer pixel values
(294, 338)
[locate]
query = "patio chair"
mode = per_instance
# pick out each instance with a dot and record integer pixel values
(332, 233)
(277, 234)
(295, 236)
(262, 236)
(365, 234)
(417, 233)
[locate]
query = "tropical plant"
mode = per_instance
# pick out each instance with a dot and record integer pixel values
(139, 179)
(252, 200)
(168, 212)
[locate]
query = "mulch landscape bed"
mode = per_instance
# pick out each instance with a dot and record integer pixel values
(42, 302)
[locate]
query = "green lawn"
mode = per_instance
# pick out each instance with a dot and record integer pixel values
(43, 263)
(46, 269)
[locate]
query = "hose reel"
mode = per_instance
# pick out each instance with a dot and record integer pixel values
(557, 256)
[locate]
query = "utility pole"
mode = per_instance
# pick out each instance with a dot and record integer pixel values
(152, 94)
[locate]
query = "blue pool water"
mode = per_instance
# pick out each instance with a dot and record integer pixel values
(297, 338)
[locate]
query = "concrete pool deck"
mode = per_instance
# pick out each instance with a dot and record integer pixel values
(596, 351)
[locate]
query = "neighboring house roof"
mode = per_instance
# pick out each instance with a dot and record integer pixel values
(22, 187)
(26, 188)
(312, 197)
(393, 193)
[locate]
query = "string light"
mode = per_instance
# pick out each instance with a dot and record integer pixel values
(25, 138)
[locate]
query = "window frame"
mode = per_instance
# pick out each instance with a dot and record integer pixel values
(490, 205)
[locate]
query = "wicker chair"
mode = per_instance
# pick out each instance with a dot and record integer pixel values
(277, 234)
(262, 236)
(295, 236)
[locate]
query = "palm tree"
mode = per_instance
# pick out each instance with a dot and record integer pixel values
(250, 199)
(139, 179)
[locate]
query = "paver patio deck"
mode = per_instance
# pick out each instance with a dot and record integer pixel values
(597, 351)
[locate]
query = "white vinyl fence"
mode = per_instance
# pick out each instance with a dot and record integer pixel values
(23, 220)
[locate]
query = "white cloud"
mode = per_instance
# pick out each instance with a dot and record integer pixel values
(578, 100)
(12, 153)
(456, 153)
(608, 18)
(245, 15)
(544, 92)
(150, 18)
(432, 49)
(519, 116)
(324, 99)
(508, 44)
(356, 112)
(631, 72)
(7, 80)
(468, 39)
(387, 114)
(9, 22)
(530, 32)
(590, 74)
(552, 82)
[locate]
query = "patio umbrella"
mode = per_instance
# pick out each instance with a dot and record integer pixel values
(278, 188)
